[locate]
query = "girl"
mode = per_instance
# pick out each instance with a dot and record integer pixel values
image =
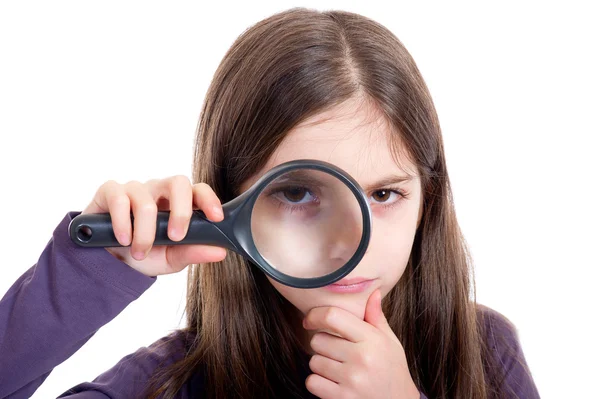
(332, 86)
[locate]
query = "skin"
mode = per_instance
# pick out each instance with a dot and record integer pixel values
(315, 219)
(355, 353)
(354, 137)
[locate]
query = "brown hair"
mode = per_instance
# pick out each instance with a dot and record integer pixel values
(279, 72)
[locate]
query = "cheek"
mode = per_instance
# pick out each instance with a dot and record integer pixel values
(390, 255)
(302, 299)
(390, 247)
(389, 250)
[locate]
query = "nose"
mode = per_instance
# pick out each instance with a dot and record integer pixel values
(345, 232)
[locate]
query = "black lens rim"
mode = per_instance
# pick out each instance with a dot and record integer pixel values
(242, 227)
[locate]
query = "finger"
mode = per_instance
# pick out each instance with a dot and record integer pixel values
(159, 193)
(112, 197)
(119, 207)
(99, 204)
(330, 346)
(144, 224)
(373, 312)
(322, 387)
(180, 256)
(207, 201)
(374, 315)
(326, 367)
(339, 321)
(178, 191)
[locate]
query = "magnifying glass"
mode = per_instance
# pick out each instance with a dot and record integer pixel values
(305, 223)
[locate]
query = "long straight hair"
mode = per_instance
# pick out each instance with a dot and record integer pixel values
(282, 70)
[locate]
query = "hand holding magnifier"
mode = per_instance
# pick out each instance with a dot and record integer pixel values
(305, 223)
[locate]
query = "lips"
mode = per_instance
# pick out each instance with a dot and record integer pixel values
(352, 281)
(350, 285)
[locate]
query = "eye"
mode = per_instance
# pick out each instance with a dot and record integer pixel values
(296, 194)
(382, 196)
(387, 198)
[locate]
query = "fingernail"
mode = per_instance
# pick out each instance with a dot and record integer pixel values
(138, 255)
(218, 211)
(124, 238)
(175, 233)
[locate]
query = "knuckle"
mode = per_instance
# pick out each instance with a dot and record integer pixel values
(108, 187)
(330, 315)
(133, 183)
(181, 214)
(118, 200)
(356, 379)
(179, 180)
(311, 382)
(313, 362)
(148, 208)
(109, 184)
(314, 340)
(203, 188)
(366, 359)
(152, 182)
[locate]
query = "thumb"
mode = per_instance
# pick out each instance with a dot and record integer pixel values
(373, 312)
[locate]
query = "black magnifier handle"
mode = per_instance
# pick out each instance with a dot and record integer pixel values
(96, 230)
(236, 232)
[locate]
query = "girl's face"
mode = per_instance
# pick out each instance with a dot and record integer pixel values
(355, 137)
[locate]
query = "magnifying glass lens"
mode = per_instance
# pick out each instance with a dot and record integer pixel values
(306, 223)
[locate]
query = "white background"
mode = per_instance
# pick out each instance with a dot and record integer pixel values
(91, 91)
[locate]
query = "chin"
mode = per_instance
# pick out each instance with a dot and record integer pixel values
(307, 299)
(353, 303)
(355, 306)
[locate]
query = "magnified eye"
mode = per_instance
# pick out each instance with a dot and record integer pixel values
(295, 195)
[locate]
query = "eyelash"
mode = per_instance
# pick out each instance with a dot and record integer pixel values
(287, 207)
(403, 195)
(292, 208)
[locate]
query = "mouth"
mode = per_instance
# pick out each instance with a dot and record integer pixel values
(350, 285)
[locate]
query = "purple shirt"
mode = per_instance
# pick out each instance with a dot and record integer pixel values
(57, 305)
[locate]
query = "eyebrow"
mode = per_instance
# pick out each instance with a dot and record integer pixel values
(388, 181)
(297, 177)
(302, 177)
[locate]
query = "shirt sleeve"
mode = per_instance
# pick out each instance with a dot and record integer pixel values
(516, 380)
(130, 377)
(58, 305)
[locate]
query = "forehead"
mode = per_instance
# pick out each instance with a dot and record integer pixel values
(354, 136)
